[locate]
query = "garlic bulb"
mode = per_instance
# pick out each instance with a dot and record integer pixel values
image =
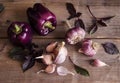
(60, 53)
(62, 71)
(89, 47)
(75, 35)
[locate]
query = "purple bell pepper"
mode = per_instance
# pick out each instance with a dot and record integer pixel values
(41, 19)
(20, 33)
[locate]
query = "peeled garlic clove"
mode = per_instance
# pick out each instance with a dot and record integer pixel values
(60, 53)
(51, 47)
(50, 68)
(62, 71)
(47, 58)
(98, 63)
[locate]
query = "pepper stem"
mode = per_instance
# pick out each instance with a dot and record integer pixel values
(17, 29)
(48, 24)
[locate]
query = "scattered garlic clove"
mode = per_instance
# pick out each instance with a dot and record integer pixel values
(47, 58)
(88, 48)
(60, 53)
(50, 68)
(98, 63)
(51, 47)
(95, 45)
(62, 71)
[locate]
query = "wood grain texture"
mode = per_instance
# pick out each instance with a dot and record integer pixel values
(15, 10)
(11, 70)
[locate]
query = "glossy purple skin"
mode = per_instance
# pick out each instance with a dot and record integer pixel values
(38, 15)
(22, 39)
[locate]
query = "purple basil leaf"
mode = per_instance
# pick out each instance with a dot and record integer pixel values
(110, 48)
(28, 63)
(1, 7)
(107, 18)
(93, 28)
(71, 9)
(101, 23)
(79, 23)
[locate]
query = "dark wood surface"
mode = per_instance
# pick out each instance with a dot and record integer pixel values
(15, 10)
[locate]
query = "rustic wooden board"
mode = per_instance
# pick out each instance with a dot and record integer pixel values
(16, 12)
(10, 70)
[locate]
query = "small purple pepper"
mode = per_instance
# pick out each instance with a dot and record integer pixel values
(41, 19)
(75, 35)
(89, 47)
(20, 33)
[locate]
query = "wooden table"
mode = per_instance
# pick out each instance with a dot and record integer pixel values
(15, 10)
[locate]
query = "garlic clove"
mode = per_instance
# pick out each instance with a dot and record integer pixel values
(60, 53)
(47, 58)
(62, 71)
(88, 48)
(50, 68)
(51, 47)
(98, 63)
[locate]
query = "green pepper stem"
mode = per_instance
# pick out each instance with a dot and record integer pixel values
(17, 29)
(48, 24)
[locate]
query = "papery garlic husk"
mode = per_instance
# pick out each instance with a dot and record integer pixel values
(75, 35)
(60, 53)
(62, 71)
(89, 47)
(47, 58)
(50, 68)
(51, 47)
(98, 63)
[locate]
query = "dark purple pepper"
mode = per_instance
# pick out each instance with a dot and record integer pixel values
(41, 19)
(20, 33)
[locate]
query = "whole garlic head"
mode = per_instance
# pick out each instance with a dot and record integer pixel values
(89, 47)
(60, 53)
(75, 35)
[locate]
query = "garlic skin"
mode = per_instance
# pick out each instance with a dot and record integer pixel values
(98, 63)
(60, 53)
(62, 71)
(89, 47)
(75, 35)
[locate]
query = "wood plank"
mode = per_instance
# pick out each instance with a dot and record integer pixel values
(76, 2)
(16, 12)
(10, 70)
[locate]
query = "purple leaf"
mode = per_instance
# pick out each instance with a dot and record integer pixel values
(110, 48)
(101, 23)
(28, 63)
(1, 7)
(93, 28)
(79, 23)
(107, 18)
(72, 11)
